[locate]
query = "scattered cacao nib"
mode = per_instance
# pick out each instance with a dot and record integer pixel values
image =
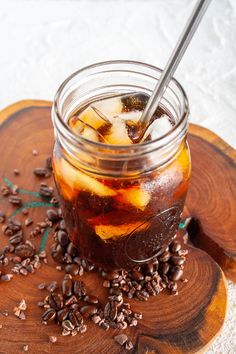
(55, 202)
(45, 191)
(16, 172)
(52, 339)
(18, 311)
(28, 221)
(52, 215)
(41, 286)
(15, 200)
(5, 313)
(5, 190)
(25, 211)
(26, 348)
(12, 227)
(35, 152)
(121, 339)
(42, 172)
(129, 345)
(52, 286)
(24, 251)
(6, 277)
(68, 302)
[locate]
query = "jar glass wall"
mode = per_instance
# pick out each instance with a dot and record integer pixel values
(121, 203)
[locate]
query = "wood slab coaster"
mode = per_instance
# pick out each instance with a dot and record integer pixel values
(186, 323)
(212, 198)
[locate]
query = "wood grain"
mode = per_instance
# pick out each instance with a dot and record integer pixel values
(212, 197)
(171, 324)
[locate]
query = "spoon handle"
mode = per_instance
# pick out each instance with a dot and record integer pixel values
(173, 62)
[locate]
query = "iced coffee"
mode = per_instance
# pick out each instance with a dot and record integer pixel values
(121, 207)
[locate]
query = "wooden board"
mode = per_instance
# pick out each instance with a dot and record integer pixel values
(171, 324)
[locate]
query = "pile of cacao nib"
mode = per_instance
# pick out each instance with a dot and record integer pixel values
(20, 254)
(69, 304)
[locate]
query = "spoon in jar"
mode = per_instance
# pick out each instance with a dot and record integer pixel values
(171, 66)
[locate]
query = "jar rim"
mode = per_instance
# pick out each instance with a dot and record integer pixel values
(77, 139)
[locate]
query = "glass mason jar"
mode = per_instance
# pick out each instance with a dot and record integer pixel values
(121, 204)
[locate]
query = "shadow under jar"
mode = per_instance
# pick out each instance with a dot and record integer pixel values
(121, 203)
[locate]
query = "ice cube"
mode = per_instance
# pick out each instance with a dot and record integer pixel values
(81, 181)
(90, 134)
(135, 196)
(76, 124)
(130, 116)
(109, 106)
(118, 134)
(158, 128)
(106, 232)
(85, 130)
(94, 118)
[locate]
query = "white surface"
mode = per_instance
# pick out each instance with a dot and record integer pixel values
(42, 42)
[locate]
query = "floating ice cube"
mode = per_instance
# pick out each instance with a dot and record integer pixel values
(76, 125)
(135, 196)
(83, 129)
(90, 134)
(129, 116)
(158, 128)
(94, 118)
(81, 181)
(118, 134)
(106, 232)
(109, 106)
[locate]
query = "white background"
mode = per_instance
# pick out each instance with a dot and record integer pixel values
(43, 41)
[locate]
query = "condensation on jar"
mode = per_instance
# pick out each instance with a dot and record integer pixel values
(121, 203)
